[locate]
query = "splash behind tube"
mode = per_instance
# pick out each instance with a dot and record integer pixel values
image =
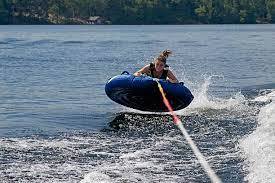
(142, 93)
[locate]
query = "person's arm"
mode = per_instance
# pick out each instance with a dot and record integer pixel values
(171, 77)
(144, 70)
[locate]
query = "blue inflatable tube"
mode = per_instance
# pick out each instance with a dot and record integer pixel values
(142, 93)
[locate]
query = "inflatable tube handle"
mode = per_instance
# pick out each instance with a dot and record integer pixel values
(125, 73)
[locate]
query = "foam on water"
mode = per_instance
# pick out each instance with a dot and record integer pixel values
(136, 166)
(96, 177)
(202, 100)
(259, 146)
(47, 160)
(267, 96)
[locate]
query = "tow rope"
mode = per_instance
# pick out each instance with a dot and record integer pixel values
(210, 172)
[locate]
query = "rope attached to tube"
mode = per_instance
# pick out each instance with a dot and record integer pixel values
(212, 175)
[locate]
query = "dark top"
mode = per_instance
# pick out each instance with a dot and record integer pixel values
(164, 73)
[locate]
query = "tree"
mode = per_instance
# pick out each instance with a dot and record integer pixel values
(204, 10)
(270, 6)
(140, 11)
(4, 13)
(247, 11)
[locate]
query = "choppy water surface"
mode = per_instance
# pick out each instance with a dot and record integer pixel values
(57, 124)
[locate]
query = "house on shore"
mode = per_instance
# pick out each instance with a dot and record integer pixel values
(96, 20)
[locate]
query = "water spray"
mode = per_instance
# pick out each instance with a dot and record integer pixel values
(210, 172)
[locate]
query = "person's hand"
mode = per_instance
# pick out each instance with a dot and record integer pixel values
(137, 74)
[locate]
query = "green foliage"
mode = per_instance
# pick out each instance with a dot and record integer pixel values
(270, 5)
(141, 11)
(4, 13)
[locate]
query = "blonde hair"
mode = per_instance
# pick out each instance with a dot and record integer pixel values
(164, 55)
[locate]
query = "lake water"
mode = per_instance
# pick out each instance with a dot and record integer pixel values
(56, 122)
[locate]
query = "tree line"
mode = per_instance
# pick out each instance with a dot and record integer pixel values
(137, 11)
